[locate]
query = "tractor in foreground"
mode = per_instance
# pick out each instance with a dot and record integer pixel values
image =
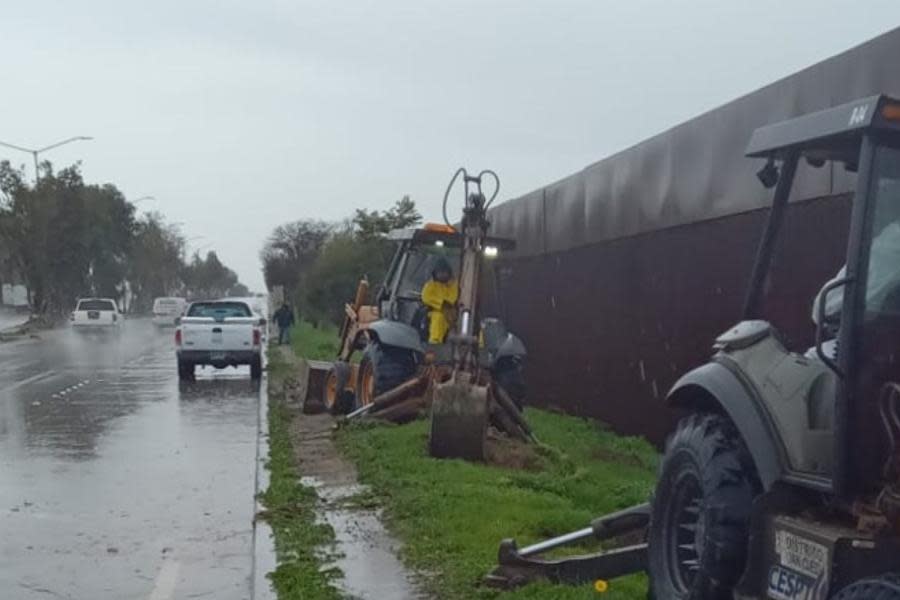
(470, 379)
(782, 480)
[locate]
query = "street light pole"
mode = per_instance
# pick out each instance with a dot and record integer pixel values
(35, 152)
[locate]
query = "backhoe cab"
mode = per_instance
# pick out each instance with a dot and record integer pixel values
(783, 480)
(469, 380)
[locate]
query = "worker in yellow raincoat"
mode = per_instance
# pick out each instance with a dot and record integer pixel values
(440, 294)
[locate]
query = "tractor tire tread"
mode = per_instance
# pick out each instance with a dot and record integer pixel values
(729, 484)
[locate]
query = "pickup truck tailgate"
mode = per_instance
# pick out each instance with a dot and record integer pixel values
(206, 333)
(96, 318)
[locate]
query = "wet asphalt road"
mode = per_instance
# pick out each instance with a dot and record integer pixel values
(117, 483)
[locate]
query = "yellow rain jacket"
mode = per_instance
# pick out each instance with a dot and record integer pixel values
(439, 298)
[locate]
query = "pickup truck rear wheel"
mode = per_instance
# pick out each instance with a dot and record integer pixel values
(256, 368)
(185, 370)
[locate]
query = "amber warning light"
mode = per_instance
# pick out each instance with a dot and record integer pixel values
(891, 112)
(439, 228)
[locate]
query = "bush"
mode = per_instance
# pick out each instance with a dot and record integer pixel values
(332, 280)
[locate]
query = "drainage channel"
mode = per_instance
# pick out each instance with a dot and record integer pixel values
(367, 554)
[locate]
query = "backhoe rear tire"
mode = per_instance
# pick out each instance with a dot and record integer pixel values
(885, 587)
(509, 374)
(700, 518)
(381, 369)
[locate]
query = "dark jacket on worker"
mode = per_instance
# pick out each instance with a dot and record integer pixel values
(284, 316)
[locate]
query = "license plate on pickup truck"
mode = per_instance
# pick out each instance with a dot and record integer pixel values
(93, 315)
(217, 356)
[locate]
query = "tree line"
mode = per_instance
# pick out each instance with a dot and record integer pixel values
(64, 238)
(319, 263)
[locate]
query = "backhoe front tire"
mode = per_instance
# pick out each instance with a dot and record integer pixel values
(885, 587)
(338, 399)
(700, 517)
(381, 369)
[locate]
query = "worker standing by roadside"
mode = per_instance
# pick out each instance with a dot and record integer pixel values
(440, 294)
(284, 318)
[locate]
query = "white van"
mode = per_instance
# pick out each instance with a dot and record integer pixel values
(167, 310)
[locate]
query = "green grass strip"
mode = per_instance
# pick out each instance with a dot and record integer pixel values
(301, 543)
(315, 343)
(451, 514)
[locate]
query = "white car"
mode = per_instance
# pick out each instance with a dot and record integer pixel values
(219, 333)
(167, 310)
(96, 315)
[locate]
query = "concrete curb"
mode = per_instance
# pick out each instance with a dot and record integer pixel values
(264, 561)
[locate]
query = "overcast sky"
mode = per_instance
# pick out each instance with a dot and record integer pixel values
(238, 116)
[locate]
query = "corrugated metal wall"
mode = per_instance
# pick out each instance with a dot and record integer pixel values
(628, 269)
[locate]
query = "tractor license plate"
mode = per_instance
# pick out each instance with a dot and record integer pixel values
(217, 356)
(802, 569)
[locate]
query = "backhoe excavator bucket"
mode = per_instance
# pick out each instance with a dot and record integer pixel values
(459, 419)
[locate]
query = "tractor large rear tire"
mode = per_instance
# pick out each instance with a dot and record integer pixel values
(700, 519)
(886, 587)
(381, 369)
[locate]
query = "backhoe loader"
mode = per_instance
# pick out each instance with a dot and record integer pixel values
(469, 381)
(782, 479)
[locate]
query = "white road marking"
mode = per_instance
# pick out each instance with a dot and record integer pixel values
(164, 586)
(27, 381)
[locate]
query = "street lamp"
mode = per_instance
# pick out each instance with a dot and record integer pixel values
(36, 152)
(142, 198)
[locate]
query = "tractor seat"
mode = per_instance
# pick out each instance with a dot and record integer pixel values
(420, 322)
(820, 401)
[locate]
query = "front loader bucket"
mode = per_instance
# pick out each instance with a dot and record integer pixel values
(316, 377)
(459, 418)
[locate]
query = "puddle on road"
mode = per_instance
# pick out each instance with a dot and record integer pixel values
(367, 552)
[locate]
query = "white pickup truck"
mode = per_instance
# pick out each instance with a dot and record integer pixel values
(220, 333)
(96, 315)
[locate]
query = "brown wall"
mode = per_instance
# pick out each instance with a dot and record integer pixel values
(610, 327)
